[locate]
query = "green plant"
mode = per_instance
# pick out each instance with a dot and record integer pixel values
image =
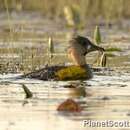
(112, 49)
(103, 60)
(97, 35)
(50, 49)
(28, 93)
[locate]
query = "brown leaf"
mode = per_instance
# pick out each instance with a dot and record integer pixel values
(70, 106)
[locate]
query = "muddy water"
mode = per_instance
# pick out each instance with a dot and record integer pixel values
(108, 98)
(108, 93)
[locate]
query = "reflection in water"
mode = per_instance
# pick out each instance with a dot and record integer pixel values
(100, 101)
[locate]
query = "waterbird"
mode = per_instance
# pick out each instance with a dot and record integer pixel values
(79, 47)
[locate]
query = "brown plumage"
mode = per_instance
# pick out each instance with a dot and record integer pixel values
(86, 45)
(79, 47)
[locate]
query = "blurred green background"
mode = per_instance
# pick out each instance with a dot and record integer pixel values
(25, 26)
(106, 9)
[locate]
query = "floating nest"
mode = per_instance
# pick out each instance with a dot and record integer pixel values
(61, 73)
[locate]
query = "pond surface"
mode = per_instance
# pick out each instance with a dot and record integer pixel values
(108, 98)
(108, 93)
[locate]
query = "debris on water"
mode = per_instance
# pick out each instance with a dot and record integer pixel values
(50, 48)
(27, 91)
(100, 69)
(69, 86)
(103, 60)
(113, 49)
(105, 98)
(123, 85)
(70, 106)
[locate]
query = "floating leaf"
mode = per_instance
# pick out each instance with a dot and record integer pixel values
(69, 86)
(110, 55)
(70, 106)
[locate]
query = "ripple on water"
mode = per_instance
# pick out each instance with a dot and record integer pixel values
(108, 94)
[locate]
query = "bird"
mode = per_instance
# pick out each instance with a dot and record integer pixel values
(79, 47)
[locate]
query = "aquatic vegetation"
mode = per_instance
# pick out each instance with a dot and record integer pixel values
(72, 73)
(97, 35)
(27, 92)
(113, 49)
(103, 60)
(110, 54)
(69, 86)
(50, 47)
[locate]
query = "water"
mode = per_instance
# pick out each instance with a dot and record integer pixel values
(108, 93)
(108, 99)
